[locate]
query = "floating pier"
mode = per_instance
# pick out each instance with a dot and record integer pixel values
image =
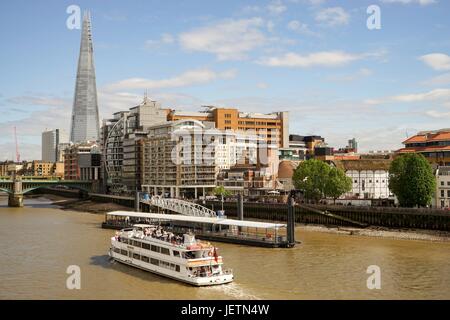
(220, 229)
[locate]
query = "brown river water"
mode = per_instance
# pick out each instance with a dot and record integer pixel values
(38, 243)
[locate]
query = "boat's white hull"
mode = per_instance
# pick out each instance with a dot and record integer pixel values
(196, 281)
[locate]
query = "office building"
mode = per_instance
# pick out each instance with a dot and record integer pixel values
(85, 120)
(272, 127)
(53, 145)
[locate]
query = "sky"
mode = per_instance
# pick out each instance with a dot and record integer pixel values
(316, 59)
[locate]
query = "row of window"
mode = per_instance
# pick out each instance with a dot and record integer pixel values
(148, 246)
(156, 262)
(443, 193)
(370, 181)
(443, 183)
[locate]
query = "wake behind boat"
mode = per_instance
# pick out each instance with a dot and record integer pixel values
(177, 256)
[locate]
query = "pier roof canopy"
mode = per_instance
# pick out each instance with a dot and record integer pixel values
(216, 220)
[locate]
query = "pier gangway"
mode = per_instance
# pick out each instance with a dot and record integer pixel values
(180, 206)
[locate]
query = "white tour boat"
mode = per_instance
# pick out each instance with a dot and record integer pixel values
(181, 257)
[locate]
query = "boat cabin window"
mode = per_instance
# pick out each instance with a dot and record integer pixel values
(136, 256)
(155, 248)
(154, 261)
(189, 255)
(145, 259)
(136, 244)
(165, 251)
(124, 252)
(116, 250)
(176, 253)
(145, 246)
(177, 268)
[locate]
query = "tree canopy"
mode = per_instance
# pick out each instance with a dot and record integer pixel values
(221, 191)
(318, 180)
(412, 180)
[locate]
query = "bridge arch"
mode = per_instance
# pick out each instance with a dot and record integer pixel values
(77, 187)
(5, 190)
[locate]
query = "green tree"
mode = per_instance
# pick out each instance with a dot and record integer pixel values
(221, 192)
(311, 177)
(337, 183)
(412, 180)
(318, 180)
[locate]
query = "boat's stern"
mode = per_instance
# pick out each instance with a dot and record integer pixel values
(213, 280)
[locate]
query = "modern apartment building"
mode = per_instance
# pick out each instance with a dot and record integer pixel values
(53, 144)
(434, 145)
(121, 147)
(272, 127)
(177, 160)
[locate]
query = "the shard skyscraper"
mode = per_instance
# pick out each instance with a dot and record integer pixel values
(85, 120)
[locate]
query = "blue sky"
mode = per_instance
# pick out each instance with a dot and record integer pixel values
(314, 58)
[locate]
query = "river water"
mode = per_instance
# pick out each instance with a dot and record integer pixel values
(38, 243)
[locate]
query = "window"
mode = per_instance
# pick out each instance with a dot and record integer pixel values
(165, 251)
(116, 250)
(155, 248)
(442, 183)
(124, 252)
(145, 246)
(154, 261)
(227, 121)
(177, 268)
(136, 244)
(145, 259)
(448, 193)
(176, 253)
(136, 256)
(442, 194)
(227, 115)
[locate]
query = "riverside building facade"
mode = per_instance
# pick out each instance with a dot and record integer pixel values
(433, 145)
(273, 127)
(443, 187)
(120, 137)
(177, 161)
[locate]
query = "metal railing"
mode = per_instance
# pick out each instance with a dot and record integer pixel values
(180, 206)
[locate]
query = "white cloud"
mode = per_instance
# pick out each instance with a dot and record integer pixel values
(334, 16)
(276, 7)
(437, 61)
(421, 2)
(361, 73)
(188, 78)
(228, 40)
(262, 85)
(432, 95)
(440, 80)
(299, 27)
(165, 39)
(437, 114)
(437, 95)
(318, 59)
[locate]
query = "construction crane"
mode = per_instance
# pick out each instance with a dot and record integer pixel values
(17, 145)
